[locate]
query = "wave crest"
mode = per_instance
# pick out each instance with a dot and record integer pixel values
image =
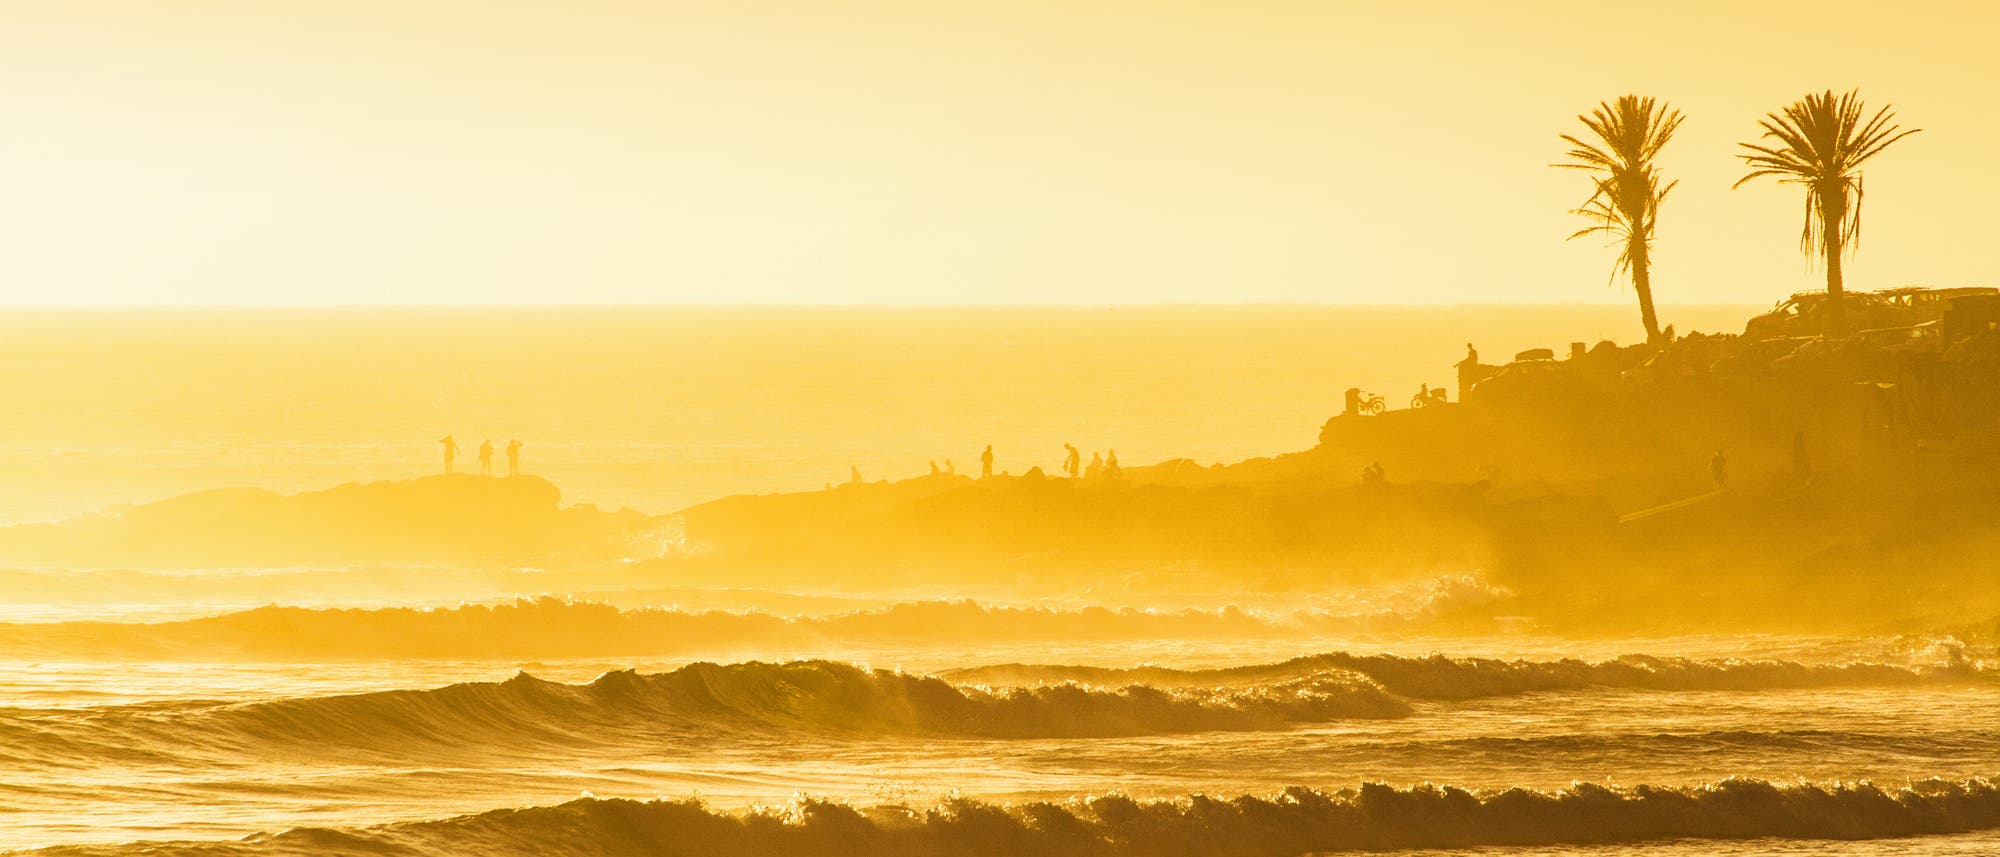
(1298, 821)
(1446, 678)
(631, 709)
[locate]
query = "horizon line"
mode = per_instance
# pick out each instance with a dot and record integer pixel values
(696, 305)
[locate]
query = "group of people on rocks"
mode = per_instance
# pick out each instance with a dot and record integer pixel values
(1103, 465)
(1100, 465)
(485, 456)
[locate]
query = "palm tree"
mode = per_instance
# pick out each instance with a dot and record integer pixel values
(1626, 192)
(1822, 143)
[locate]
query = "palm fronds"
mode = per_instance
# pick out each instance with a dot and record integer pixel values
(1625, 192)
(1821, 141)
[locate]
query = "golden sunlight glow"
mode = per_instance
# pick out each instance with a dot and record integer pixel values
(987, 428)
(906, 152)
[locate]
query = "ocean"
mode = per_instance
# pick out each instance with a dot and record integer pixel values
(461, 711)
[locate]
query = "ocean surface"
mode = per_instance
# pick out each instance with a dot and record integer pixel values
(749, 720)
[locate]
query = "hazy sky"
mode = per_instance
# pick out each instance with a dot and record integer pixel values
(940, 152)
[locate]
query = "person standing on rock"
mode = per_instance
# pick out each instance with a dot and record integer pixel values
(986, 462)
(486, 457)
(1072, 461)
(514, 457)
(450, 453)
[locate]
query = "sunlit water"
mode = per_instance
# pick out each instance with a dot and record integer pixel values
(208, 784)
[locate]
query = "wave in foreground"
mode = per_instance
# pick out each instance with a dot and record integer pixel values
(1299, 821)
(630, 709)
(833, 699)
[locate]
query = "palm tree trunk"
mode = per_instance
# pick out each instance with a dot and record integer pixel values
(1642, 282)
(1833, 213)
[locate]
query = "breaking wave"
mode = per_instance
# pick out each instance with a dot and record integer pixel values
(1295, 822)
(804, 698)
(632, 709)
(1446, 678)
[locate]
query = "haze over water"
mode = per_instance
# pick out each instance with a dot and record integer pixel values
(663, 407)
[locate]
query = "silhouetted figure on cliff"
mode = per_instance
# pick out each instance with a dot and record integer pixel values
(950, 469)
(1072, 462)
(854, 474)
(934, 468)
(1468, 371)
(1096, 467)
(450, 453)
(1718, 469)
(1111, 463)
(514, 457)
(1353, 401)
(986, 462)
(486, 457)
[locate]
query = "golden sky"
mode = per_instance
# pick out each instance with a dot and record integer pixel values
(370, 151)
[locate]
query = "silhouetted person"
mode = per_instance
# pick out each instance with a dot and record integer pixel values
(1801, 463)
(1468, 371)
(1072, 462)
(949, 468)
(986, 462)
(514, 457)
(486, 457)
(1111, 463)
(1353, 400)
(1096, 467)
(934, 467)
(450, 452)
(1372, 474)
(1718, 469)
(854, 474)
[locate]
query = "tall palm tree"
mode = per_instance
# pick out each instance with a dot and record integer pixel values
(1822, 143)
(1626, 192)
